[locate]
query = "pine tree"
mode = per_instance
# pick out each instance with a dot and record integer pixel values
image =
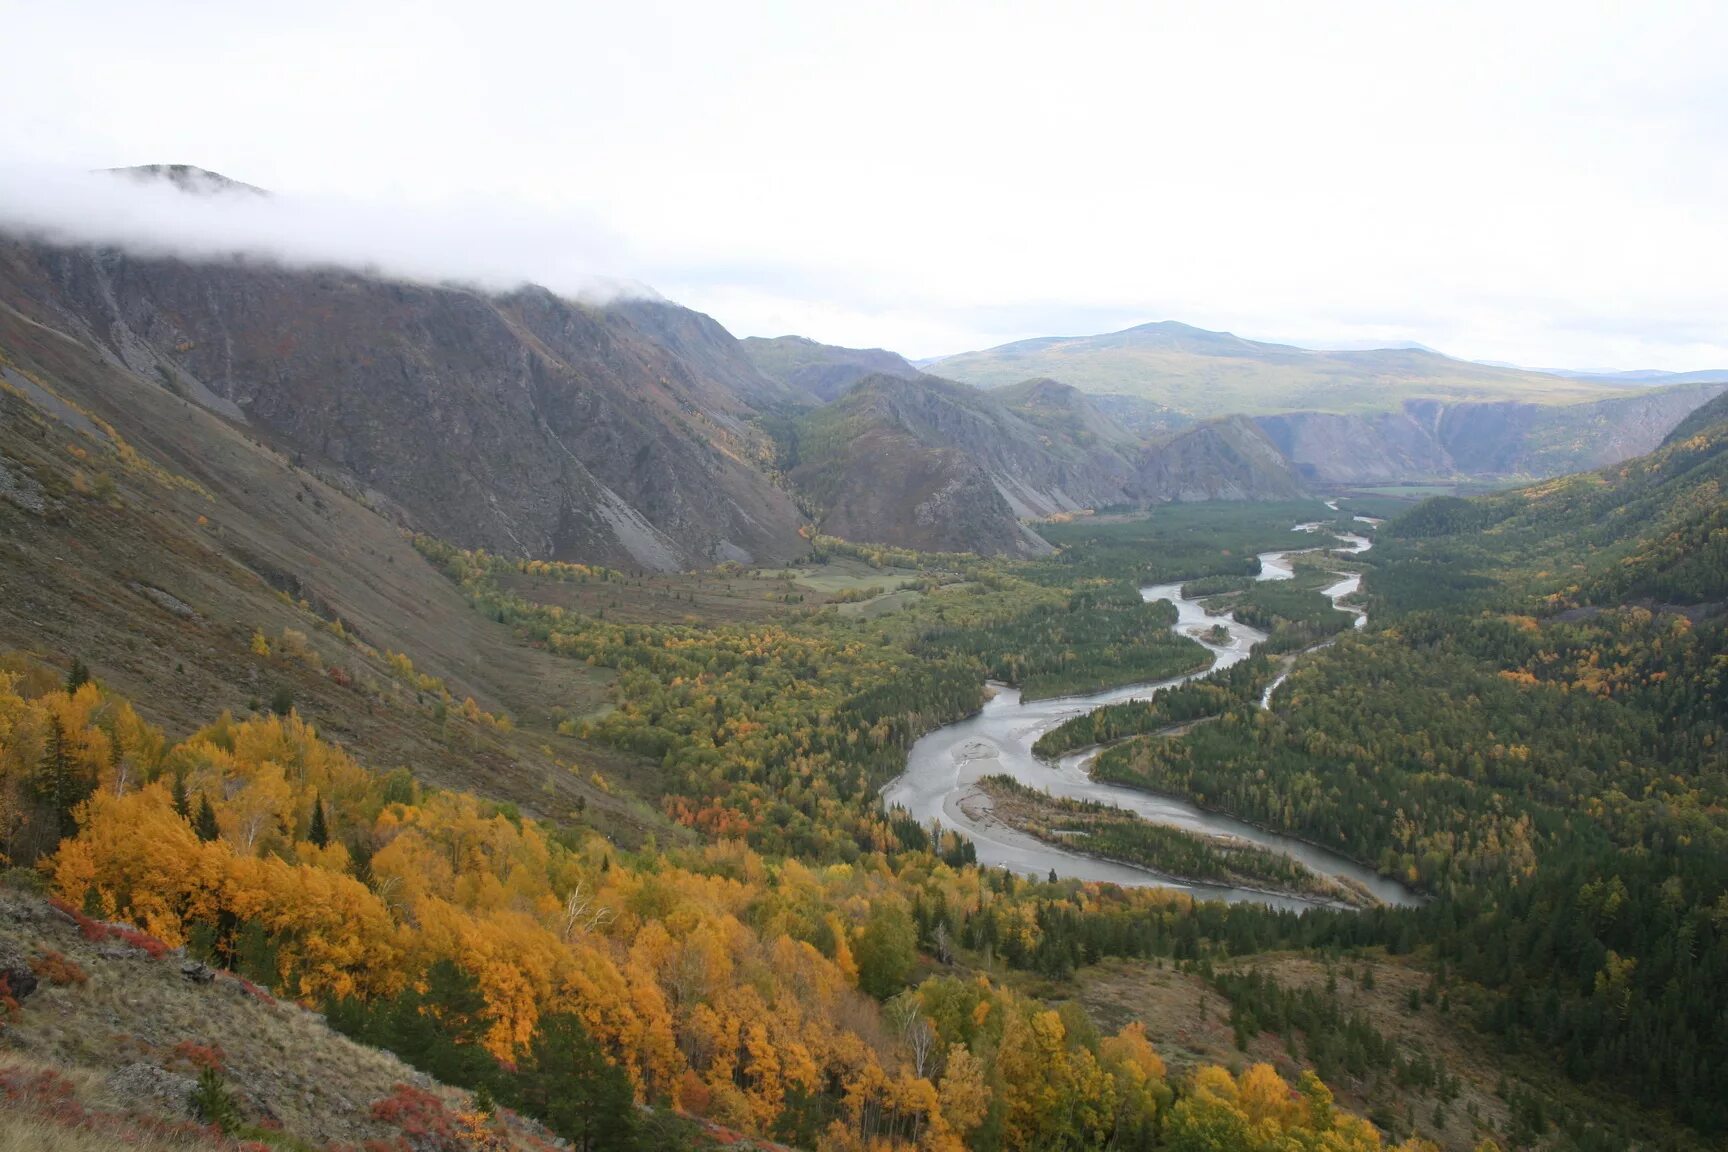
(206, 826)
(58, 784)
(319, 834)
(117, 762)
(182, 803)
(77, 676)
(213, 1103)
(567, 1082)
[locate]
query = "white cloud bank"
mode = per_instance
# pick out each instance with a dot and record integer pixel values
(151, 216)
(1543, 183)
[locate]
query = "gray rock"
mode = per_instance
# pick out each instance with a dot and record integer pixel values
(165, 600)
(146, 1085)
(20, 981)
(17, 487)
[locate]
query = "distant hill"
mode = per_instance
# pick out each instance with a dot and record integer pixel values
(822, 370)
(1650, 377)
(1204, 373)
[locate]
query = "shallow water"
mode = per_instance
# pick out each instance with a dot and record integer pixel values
(944, 766)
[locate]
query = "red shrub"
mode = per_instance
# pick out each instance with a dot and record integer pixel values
(142, 941)
(37, 1088)
(199, 1056)
(95, 930)
(251, 989)
(59, 971)
(421, 1117)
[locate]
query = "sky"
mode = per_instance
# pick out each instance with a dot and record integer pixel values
(1542, 184)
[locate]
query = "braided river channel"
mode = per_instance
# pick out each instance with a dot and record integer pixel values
(944, 766)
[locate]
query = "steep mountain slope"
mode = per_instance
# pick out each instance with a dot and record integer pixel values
(523, 423)
(927, 460)
(716, 355)
(165, 545)
(824, 371)
(1215, 373)
(133, 1032)
(1063, 413)
(1699, 419)
(1430, 439)
(928, 463)
(1139, 416)
(1228, 459)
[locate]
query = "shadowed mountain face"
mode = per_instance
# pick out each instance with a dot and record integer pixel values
(522, 423)
(907, 462)
(1433, 440)
(1700, 418)
(1206, 373)
(822, 371)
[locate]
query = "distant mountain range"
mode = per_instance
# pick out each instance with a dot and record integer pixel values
(1417, 439)
(1649, 376)
(641, 434)
(1206, 373)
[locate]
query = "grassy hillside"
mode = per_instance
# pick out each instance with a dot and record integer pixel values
(1214, 373)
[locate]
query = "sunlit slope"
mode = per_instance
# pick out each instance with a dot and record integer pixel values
(1212, 373)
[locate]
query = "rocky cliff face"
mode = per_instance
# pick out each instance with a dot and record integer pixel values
(523, 423)
(1376, 448)
(907, 461)
(884, 486)
(1429, 439)
(1229, 459)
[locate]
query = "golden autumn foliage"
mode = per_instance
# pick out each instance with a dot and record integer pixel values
(722, 982)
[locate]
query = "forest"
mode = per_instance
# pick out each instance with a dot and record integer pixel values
(1529, 732)
(563, 977)
(1107, 831)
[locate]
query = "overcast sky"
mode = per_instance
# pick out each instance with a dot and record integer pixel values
(1542, 184)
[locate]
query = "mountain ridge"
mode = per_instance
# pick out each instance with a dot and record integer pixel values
(824, 371)
(1206, 373)
(521, 422)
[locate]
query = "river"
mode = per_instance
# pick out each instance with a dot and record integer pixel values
(943, 767)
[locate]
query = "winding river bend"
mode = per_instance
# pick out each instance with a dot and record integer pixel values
(943, 768)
